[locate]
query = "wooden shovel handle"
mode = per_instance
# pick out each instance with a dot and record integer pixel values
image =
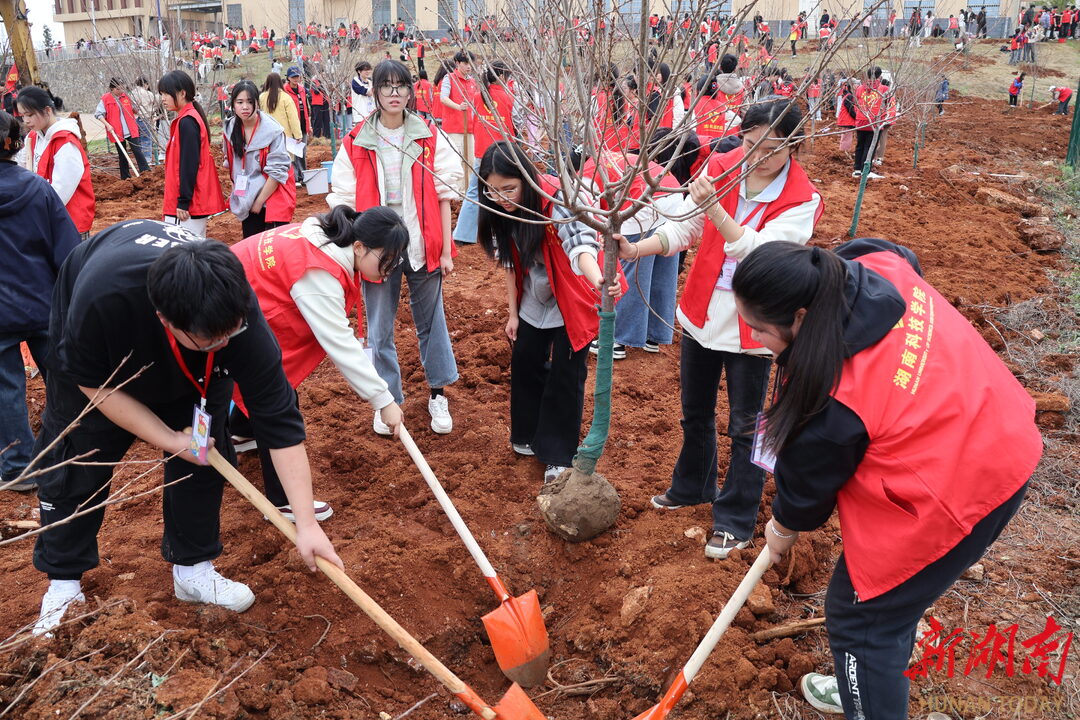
(343, 581)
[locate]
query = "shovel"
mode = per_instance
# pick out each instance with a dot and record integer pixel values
(515, 628)
(120, 144)
(719, 626)
(515, 704)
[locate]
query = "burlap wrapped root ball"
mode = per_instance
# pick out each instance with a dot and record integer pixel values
(579, 507)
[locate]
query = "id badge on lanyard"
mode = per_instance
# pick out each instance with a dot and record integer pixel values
(199, 444)
(727, 272)
(760, 455)
(240, 186)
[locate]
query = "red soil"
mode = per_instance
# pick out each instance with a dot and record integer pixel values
(397, 544)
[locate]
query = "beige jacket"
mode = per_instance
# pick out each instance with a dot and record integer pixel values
(285, 113)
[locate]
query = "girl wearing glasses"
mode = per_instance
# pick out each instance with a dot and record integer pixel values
(398, 159)
(773, 200)
(264, 194)
(307, 278)
(553, 278)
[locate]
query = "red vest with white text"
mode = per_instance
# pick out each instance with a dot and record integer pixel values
(952, 436)
(712, 118)
(82, 204)
(705, 271)
(575, 296)
(365, 164)
(613, 167)
(485, 125)
(274, 261)
(206, 198)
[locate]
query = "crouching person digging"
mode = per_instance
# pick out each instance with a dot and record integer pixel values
(157, 324)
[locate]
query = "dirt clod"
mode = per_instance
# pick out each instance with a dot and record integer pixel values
(312, 688)
(579, 507)
(992, 197)
(633, 603)
(760, 601)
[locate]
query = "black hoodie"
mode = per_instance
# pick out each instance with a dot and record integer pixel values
(813, 466)
(36, 236)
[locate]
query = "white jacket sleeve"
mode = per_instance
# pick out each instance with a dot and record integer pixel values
(343, 181)
(67, 171)
(447, 168)
(681, 234)
(794, 225)
(320, 299)
(678, 110)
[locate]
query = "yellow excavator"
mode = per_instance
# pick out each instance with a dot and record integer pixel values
(18, 31)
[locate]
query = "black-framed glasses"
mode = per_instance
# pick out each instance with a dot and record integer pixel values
(219, 343)
(388, 89)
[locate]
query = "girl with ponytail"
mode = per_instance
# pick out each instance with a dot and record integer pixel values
(57, 155)
(307, 279)
(192, 188)
(773, 201)
(264, 192)
(891, 408)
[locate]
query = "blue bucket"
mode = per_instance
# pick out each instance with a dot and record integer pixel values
(328, 166)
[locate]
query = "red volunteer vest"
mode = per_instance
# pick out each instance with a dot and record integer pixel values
(952, 436)
(485, 124)
(458, 121)
(113, 109)
(705, 270)
(206, 199)
(423, 92)
(300, 98)
(273, 262)
(713, 123)
(614, 168)
(365, 167)
(576, 298)
(82, 204)
(281, 204)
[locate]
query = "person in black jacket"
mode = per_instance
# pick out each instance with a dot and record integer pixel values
(149, 323)
(36, 235)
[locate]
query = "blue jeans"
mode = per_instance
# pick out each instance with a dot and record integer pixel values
(652, 281)
(425, 300)
(145, 142)
(465, 230)
(15, 433)
(693, 481)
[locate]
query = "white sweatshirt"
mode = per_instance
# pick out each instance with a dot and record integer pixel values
(320, 298)
(721, 328)
(67, 163)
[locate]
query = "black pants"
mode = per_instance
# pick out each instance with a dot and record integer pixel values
(1063, 108)
(547, 393)
(1013, 99)
(864, 147)
(420, 64)
(255, 223)
(871, 641)
(240, 426)
(693, 481)
(190, 507)
(320, 121)
(136, 152)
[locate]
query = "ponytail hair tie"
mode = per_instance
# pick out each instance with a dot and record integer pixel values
(815, 256)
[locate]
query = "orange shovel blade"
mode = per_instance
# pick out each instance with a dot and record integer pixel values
(516, 705)
(660, 710)
(519, 639)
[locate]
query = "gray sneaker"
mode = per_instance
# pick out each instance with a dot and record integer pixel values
(722, 543)
(822, 692)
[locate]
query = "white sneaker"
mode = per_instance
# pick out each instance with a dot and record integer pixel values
(54, 604)
(439, 409)
(856, 173)
(379, 426)
(201, 583)
(552, 473)
(522, 449)
(322, 511)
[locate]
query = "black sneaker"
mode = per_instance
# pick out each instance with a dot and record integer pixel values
(662, 502)
(651, 346)
(618, 352)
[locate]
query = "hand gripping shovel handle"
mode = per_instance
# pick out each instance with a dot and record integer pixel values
(120, 144)
(358, 596)
(451, 512)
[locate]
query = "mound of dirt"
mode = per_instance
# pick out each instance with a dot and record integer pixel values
(578, 507)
